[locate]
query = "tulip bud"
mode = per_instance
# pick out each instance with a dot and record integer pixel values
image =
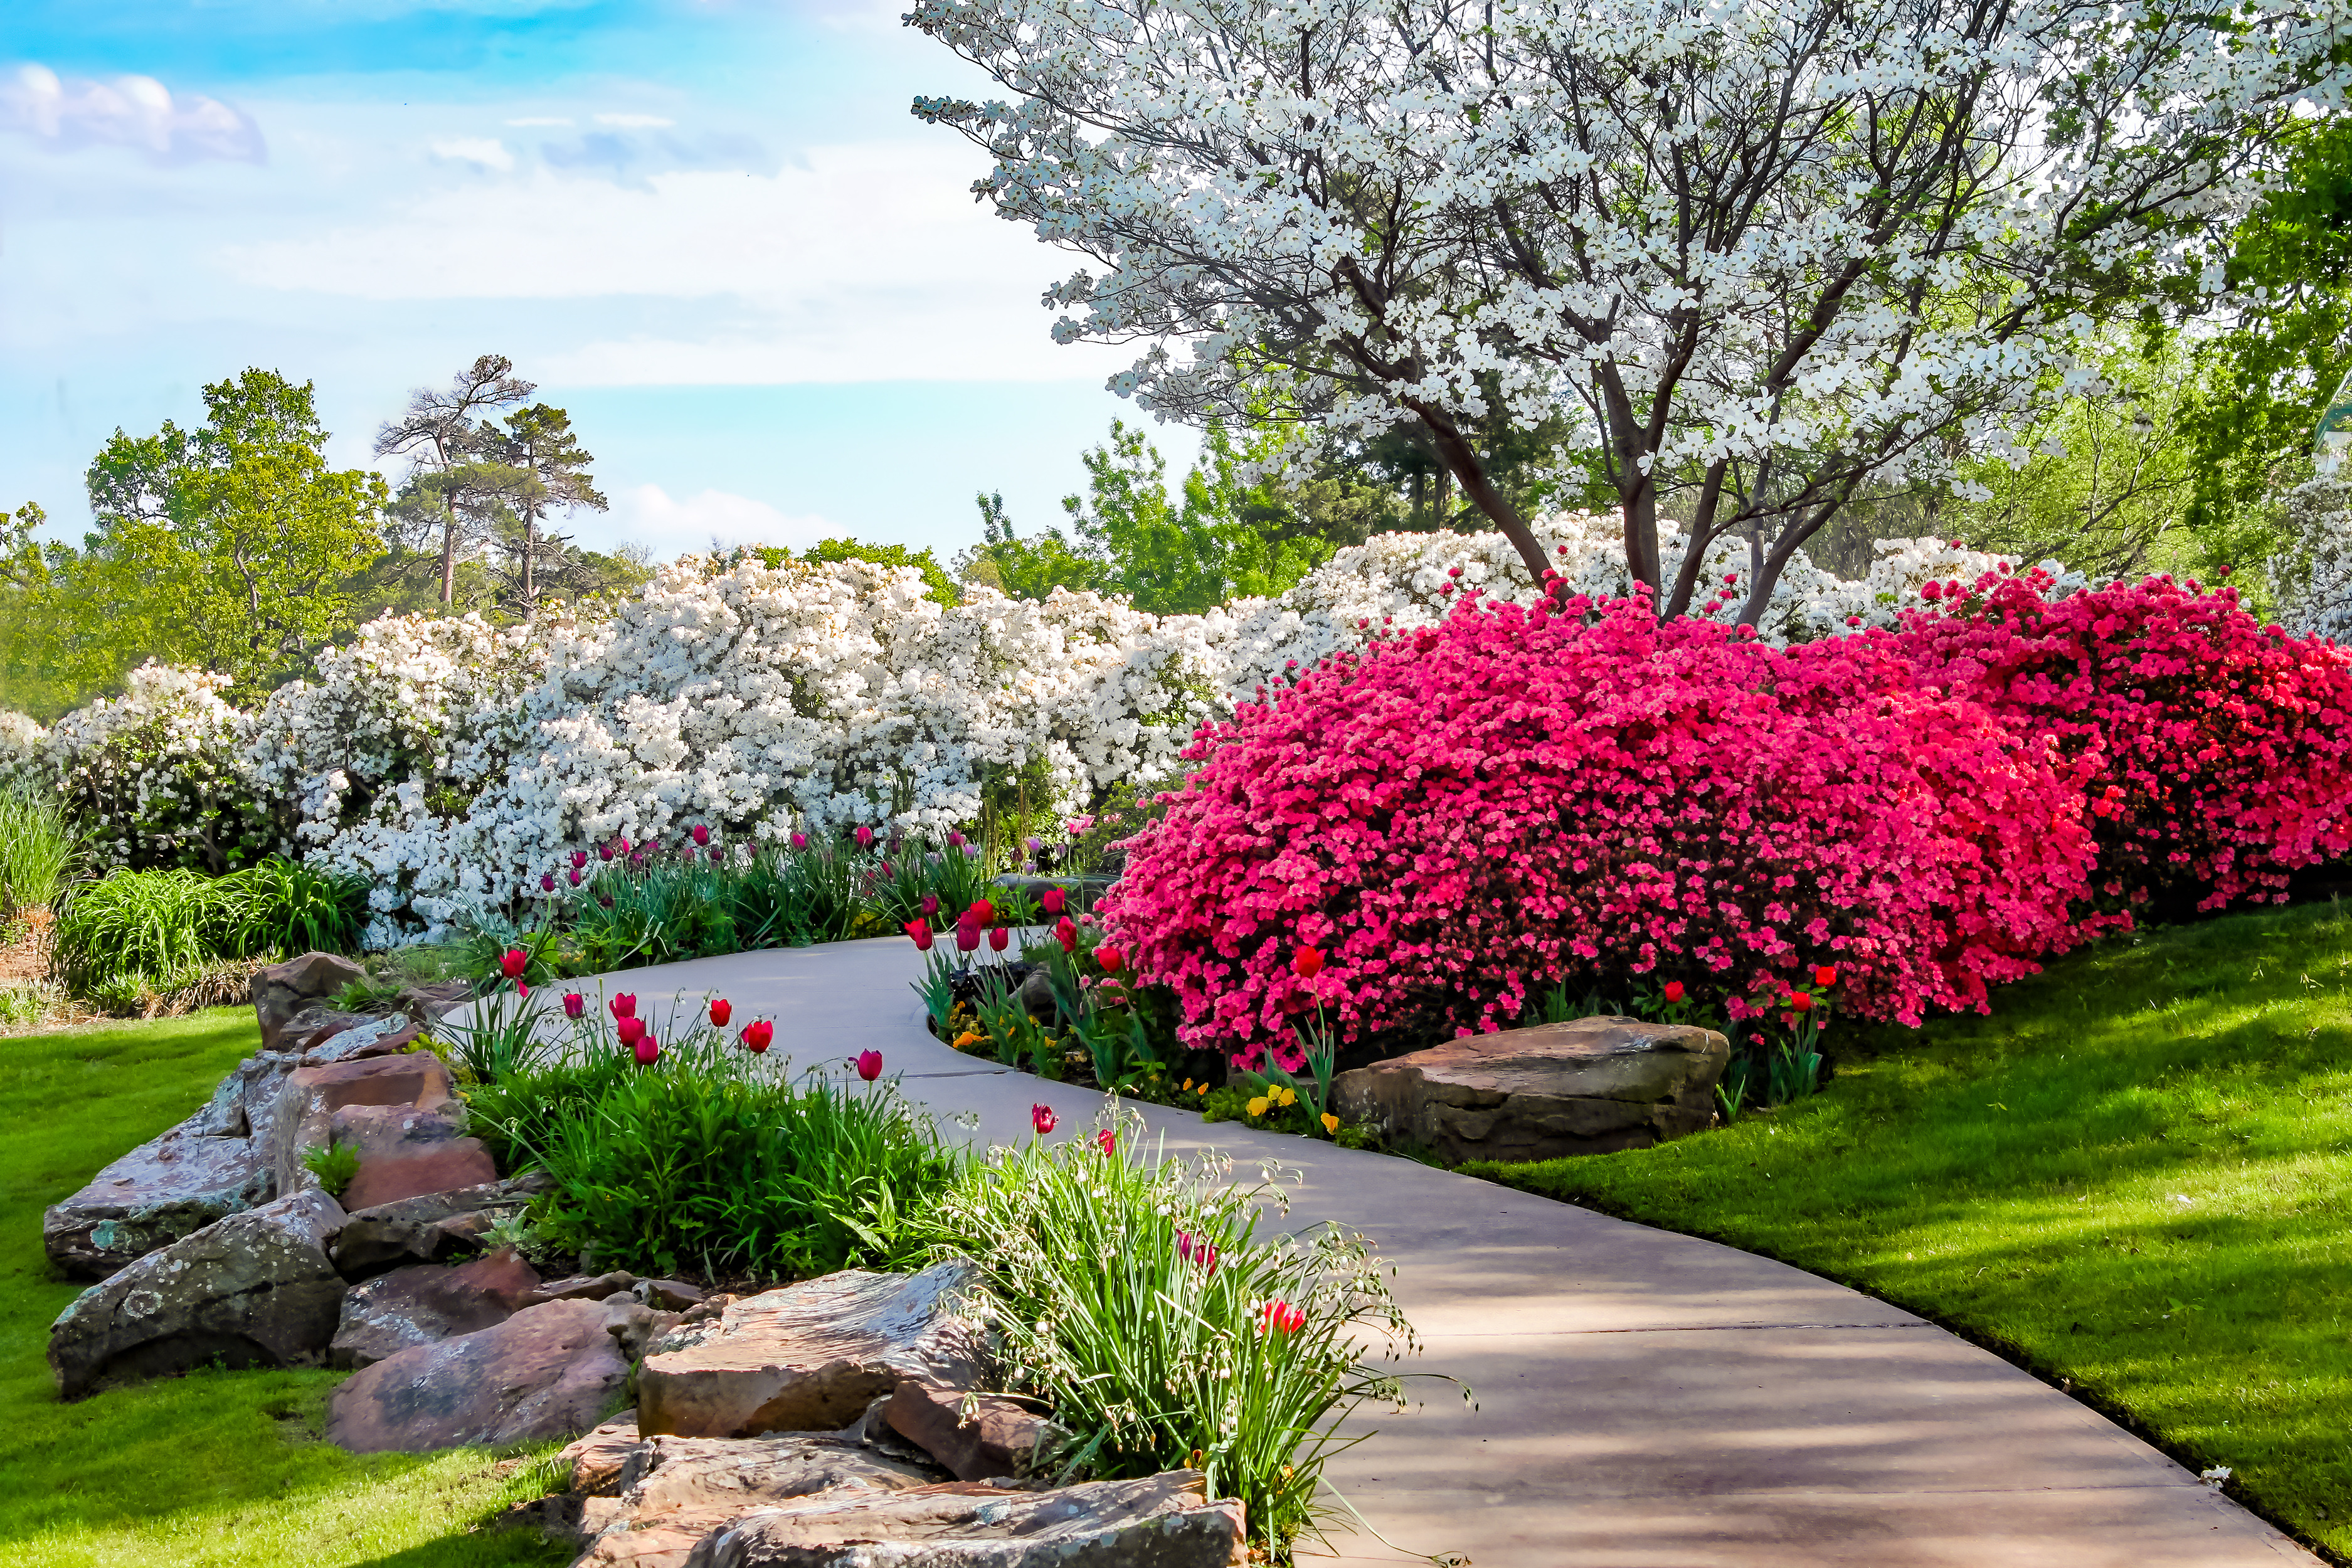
(955, 840)
(1673, 991)
(579, 860)
(865, 837)
(603, 851)
(547, 881)
(648, 1050)
(701, 833)
(998, 939)
(869, 1065)
(574, 875)
(1107, 1140)
(967, 935)
(931, 905)
(720, 1011)
(574, 1005)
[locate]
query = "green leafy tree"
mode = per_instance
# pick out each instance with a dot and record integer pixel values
(232, 547)
(938, 586)
(451, 501)
(543, 471)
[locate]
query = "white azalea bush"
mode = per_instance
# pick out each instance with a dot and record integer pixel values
(454, 763)
(2311, 580)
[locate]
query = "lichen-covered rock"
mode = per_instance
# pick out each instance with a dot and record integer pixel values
(425, 1304)
(548, 1371)
(433, 1228)
(1157, 1522)
(1581, 1088)
(283, 991)
(676, 1490)
(401, 1114)
(810, 1357)
(251, 1290)
(375, 1038)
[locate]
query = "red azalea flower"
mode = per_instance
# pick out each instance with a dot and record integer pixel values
(757, 1035)
(869, 1065)
(720, 1011)
(1042, 1118)
(1824, 976)
(513, 962)
(1308, 963)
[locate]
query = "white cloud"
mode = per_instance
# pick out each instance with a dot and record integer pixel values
(483, 151)
(647, 514)
(128, 112)
(635, 121)
(541, 120)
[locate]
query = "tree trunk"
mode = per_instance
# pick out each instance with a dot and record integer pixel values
(1461, 460)
(449, 559)
(529, 559)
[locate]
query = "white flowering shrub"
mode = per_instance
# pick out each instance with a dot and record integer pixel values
(2311, 580)
(454, 763)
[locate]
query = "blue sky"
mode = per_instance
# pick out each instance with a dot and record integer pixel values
(711, 231)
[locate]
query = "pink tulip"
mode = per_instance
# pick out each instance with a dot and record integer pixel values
(1042, 1118)
(869, 1065)
(998, 939)
(623, 1004)
(800, 841)
(574, 875)
(931, 905)
(630, 1030)
(865, 837)
(579, 859)
(967, 935)
(717, 855)
(701, 833)
(573, 1004)
(955, 840)
(513, 961)
(547, 881)
(604, 852)
(648, 1050)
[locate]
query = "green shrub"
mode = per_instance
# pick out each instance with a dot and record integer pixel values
(1135, 1294)
(712, 1158)
(293, 907)
(334, 1165)
(38, 845)
(140, 933)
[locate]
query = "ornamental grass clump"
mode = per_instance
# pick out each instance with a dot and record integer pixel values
(676, 1144)
(1137, 1294)
(1568, 796)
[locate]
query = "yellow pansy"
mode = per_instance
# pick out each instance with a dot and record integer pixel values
(1330, 1124)
(1289, 1097)
(967, 1037)
(1257, 1107)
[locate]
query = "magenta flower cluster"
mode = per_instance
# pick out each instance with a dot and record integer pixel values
(1577, 793)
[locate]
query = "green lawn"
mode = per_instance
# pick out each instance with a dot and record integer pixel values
(205, 1471)
(2136, 1174)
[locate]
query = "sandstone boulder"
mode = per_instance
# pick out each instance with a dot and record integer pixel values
(1159, 1521)
(587, 1286)
(549, 1371)
(283, 991)
(425, 1304)
(594, 1462)
(1000, 1437)
(204, 1169)
(401, 1112)
(375, 1038)
(254, 1288)
(1581, 1088)
(433, 1228)
(676, 1490)
(810, 1357)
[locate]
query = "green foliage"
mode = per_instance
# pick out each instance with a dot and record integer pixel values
(211, 1470)
(39, 844)
(715, 1159)
(2135, 1175)
(1098, 1278)
(334, 1165)
(133, 932)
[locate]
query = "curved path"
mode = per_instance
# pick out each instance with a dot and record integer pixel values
(1645, 1400)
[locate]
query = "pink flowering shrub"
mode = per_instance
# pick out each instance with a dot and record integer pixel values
(1517, 798)
(2223, 748)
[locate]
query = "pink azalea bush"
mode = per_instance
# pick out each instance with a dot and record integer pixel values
(2223, 748)
(1519, 797)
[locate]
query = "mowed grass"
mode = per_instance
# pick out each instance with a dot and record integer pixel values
(2135, 1175)
(207, 1472)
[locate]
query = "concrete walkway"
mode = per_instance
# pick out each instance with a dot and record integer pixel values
(1645, 1400)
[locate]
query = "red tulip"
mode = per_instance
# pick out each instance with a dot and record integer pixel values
(1801, 1001)
(1053, 901)
(624, 1005)
(648, 1050)
(931, 905)
(720, 1011)
(1067, 934)
(632, 1030)
(574, 875)
(1308, 963)
(717, 855)
(1193, 1249)
(967, 935)
(1281, 1317)
(1042, 1118)
(800, 841)
(701, 833)
(921, 931)
(547, 881)
(604, 852)
(998, 937)
(574, 1005)
(521, 990)
(579, 859)
(865, 837)
(1107, 1140)
(955, 839)
(1824, 976)
(514, 963)
(869, 1065)
(757, 1035)
(983, 911)
(1673, 991)
(1110, 958)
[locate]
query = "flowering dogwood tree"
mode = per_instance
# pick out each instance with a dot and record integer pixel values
(1770, 255)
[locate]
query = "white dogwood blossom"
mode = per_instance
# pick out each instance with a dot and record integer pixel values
(455, 763)
(1777, 256)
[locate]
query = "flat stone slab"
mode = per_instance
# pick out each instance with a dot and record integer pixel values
(1159, 1521)
(252, 1289)
(808, 1357)
(1587, 1087)
(433, 1227)
(549, 1371)
(998, 1436)
(674, 1492)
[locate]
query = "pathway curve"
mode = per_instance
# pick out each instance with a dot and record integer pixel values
(1645, 1400)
